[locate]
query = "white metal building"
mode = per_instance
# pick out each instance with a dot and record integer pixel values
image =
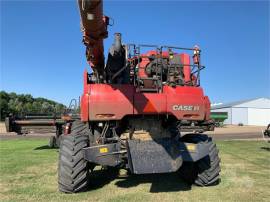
(248, 112)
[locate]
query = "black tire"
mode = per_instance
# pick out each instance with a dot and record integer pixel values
(266, 133)
(57, 141)
(52, 142)
(73, 169)
(204, 172)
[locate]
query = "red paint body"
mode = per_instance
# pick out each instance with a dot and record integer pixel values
(114, 102)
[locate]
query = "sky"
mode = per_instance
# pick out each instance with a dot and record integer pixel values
(42, 53)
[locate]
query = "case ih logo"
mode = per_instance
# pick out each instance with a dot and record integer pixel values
(185, 108)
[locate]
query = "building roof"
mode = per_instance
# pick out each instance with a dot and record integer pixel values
(252, 103)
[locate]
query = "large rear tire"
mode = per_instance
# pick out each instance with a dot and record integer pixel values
(73, 169)
(52, 142)
(204, 172)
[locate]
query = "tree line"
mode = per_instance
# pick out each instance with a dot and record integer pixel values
(22, 104)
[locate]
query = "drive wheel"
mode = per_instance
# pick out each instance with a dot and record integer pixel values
(73, 169)
(204, 172)
(52, 142)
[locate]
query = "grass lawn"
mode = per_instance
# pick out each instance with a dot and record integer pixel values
(28, 173)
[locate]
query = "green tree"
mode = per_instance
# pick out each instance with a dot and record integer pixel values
(21, 104)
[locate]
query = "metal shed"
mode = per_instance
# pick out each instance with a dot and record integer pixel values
(248, 112)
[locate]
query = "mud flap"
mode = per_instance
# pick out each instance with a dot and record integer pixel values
(154, 156)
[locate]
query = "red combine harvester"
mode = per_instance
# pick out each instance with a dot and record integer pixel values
(133, 109)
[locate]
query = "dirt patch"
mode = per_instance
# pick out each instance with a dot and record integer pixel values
(237, 136)
(231, 129)
(229, 132)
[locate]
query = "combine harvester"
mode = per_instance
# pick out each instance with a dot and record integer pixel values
(133, 109)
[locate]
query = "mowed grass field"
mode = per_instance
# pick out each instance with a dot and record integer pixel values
(29, 173)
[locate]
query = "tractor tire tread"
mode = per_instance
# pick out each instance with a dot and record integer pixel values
(204, 172)
(73, 169)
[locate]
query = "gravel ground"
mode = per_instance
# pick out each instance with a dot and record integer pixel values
(224, 133)
(237, 132)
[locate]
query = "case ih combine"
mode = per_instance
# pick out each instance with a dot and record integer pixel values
(133, 109)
